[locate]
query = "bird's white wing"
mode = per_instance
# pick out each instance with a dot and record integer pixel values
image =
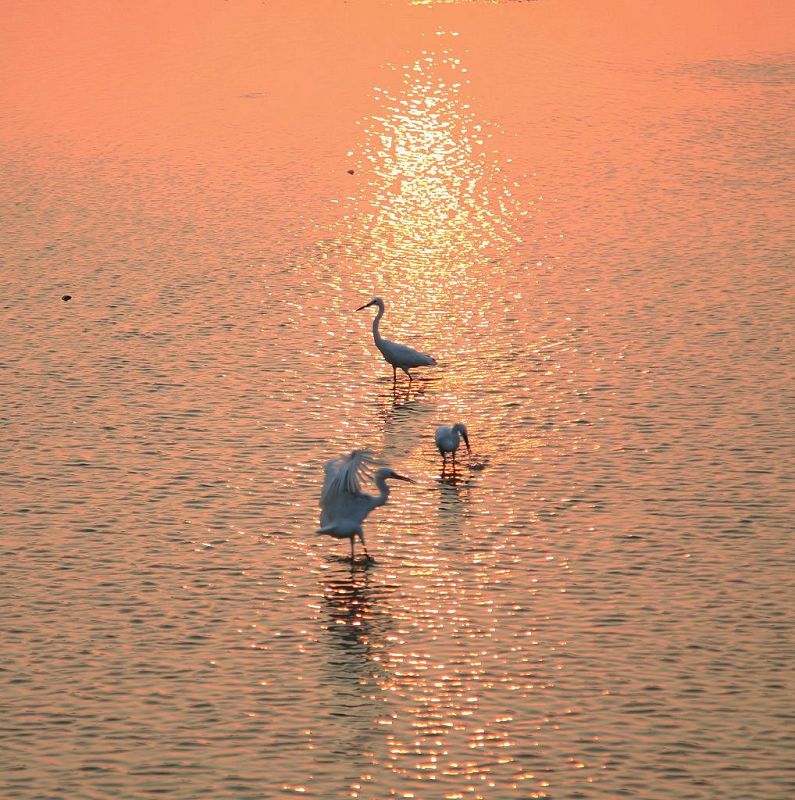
(343, 483)
(442, 436)
(405, 356)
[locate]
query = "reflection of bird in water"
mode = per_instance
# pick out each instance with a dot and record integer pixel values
(347, 603)
(405, 426)
(454, 498)
(355, 621)
(398, 355)
(447, 440)
(344, 506)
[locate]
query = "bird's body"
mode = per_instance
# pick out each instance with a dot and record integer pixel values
(396, 355)
(344, 506)
(447, 440)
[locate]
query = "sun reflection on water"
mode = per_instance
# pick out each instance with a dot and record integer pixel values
(434, 202)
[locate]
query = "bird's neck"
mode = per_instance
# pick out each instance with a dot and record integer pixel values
(383, 487)
(376, 333)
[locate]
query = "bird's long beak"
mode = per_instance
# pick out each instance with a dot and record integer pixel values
(466, 442)
(403, 478)
(364, 306)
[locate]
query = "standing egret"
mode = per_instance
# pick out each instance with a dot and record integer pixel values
(447, 441)
(344, 506)
(398, 355)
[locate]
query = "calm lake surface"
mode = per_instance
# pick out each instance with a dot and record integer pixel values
(584, 212)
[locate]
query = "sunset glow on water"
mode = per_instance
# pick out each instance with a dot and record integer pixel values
(583, 213)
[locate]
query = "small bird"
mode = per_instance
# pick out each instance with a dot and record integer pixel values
(344, 506)
(398, 355)
(447, 441)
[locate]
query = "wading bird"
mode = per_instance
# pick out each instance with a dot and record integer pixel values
(344, 506)
(447, 441)
(398, 355)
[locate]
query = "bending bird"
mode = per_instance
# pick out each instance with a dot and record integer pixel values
(398, 355)
(447, 440)
(343, 504)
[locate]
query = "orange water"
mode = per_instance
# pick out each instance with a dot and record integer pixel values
(583, 211)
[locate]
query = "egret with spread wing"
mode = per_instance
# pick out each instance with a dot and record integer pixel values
(447, 441)
(343, 504)
(398, 355)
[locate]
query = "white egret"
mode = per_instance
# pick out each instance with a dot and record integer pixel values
(344, 506)
(398, 355)
(447, 440)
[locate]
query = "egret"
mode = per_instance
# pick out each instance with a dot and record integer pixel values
(398, 355)
(447, 440)
(344, 506)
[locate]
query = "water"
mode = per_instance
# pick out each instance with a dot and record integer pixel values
(584, 214)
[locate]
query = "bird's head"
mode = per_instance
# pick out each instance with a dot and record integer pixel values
(376, 301)
(387, 473)
(462, 429)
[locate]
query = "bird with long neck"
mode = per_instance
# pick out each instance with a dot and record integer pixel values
(344, 506)
(396, 355)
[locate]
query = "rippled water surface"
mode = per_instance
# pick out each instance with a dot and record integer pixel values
(583, 211)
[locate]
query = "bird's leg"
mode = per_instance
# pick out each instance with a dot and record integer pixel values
(352, 538)
(394, 374)
(453, 454)
(444, 463)
(361, 539)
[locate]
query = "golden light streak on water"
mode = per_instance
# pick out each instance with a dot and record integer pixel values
(437, 202)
